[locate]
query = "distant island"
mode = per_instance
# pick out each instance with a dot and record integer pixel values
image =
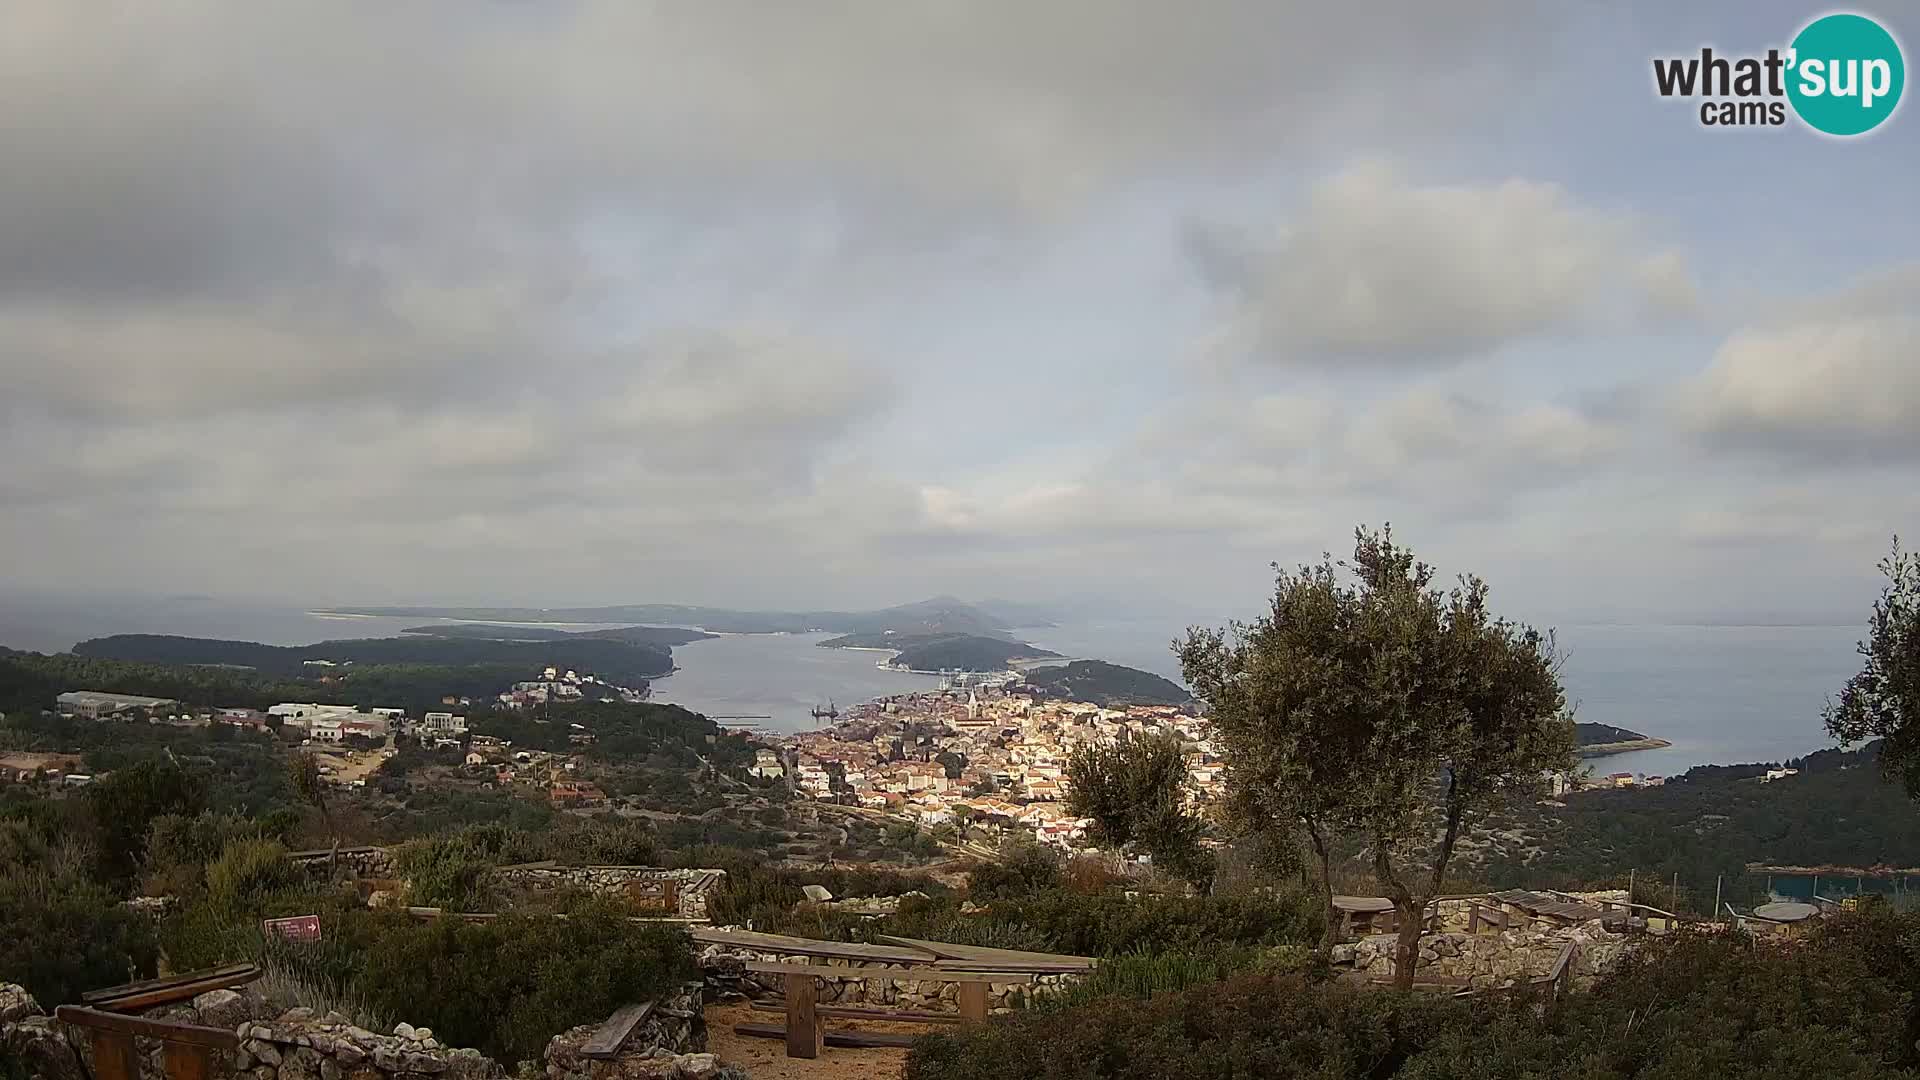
(667, 636)
(939, 615)
(615, 660)
(944, 652)
(1104, 684)
(1599, 740)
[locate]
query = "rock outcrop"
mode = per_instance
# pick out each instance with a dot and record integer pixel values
(33, 1041)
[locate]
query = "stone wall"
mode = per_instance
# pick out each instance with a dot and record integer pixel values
(639, 882)
(274, 1045)
(1507, 958)
(355, 862)
(636, 882)
(723, 966)
(297, 1044)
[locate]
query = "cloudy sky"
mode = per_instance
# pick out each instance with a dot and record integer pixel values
(848, 303)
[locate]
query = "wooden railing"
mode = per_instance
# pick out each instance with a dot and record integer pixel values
(187, 1049)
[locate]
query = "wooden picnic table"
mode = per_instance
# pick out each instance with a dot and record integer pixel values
(186, 1049)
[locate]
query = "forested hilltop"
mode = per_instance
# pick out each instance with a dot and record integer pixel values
(661, 636)
(1705, 826)
(1105, 684)
(612, 659)
(944, 652)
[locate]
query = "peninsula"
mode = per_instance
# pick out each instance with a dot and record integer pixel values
(1600, 740)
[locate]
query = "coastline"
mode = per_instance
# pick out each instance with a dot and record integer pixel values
(1610, 748)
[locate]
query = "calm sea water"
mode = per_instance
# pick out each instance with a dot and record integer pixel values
(1720, 694)
(783, 676)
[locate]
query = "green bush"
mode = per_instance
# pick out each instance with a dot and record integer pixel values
(1251, 1026)
(1687, 1007)
(452, 871)
(1113, 924)
(179, 849)
(1144, 975)
(509, 984)
(250, 874)
(1025, 867)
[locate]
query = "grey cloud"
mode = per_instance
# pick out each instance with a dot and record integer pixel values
(1373, 267)
(1831, 380)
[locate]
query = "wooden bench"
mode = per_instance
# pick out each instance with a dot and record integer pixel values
(606, 1042)
(1479, 914)
(186, 1049)
(802, 1030)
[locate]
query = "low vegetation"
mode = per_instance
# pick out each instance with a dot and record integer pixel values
(1691, 1006)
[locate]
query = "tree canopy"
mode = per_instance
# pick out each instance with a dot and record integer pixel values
(1135, 790)
(1883, 700)
(1368, 699)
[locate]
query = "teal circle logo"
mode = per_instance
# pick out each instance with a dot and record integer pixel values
(1845, 74)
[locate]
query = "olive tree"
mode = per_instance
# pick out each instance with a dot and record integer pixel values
(1883, 700)
(1369, 702)
(1135, 790)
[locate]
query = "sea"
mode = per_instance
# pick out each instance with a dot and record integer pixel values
(1721, 694)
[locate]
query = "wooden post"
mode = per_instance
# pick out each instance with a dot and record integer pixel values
(670, 896)
(803, 1024)
(188, 1061)
(113, 1055)
(973, 1001)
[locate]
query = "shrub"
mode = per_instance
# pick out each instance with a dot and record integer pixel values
(507, 985)
(1024, 867)
(1144, 975)
(179, 849)
(1693, 1006)
(1113, 924)
(249, 874)
(62, 935)
(1277, 1027)
(451, 871)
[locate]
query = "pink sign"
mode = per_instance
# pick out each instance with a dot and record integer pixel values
(297, 928)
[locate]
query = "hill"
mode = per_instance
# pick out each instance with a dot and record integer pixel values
(663, 636)
(612, 660)
(944, 652)
(1708, 823)
(1597, 740)
(1109, 685)
(939, 615)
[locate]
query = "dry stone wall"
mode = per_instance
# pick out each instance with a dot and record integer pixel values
(1493, 960)
(358, 862)
(690, 886)
(294, 1044)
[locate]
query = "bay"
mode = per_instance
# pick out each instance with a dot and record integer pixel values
(1722, 694)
